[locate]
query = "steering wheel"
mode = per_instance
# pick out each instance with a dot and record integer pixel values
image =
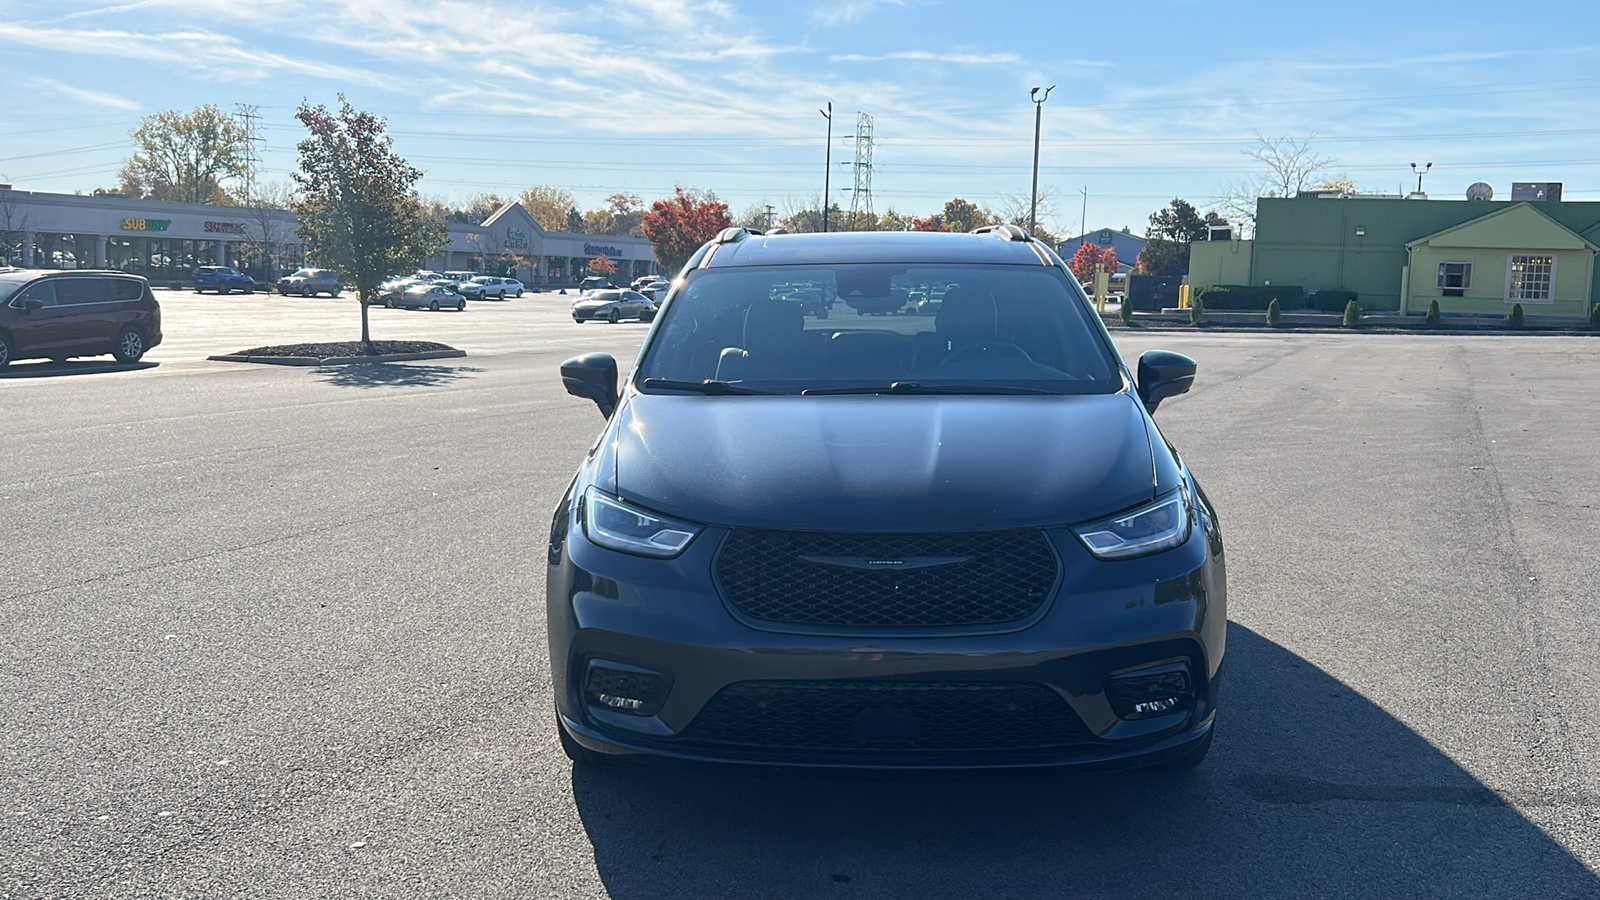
(989, 350)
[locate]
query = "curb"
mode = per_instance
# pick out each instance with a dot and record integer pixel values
(339, 360)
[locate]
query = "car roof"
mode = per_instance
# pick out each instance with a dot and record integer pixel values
(31, 274)
(875, 247)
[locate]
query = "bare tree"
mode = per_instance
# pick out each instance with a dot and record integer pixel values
(1014, 209)
(1288, 167)
(268, 228)
(13, 228)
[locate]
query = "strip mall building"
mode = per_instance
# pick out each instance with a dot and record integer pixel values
(165, 241)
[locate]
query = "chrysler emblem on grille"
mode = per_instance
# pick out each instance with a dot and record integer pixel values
(868, 562)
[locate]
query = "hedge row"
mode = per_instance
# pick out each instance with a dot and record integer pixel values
(1241, 296)
(1289, 296)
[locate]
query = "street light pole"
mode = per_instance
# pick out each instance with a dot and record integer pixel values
(1038, 117)
(1420, 172)
(1083, 223)
(827, 164)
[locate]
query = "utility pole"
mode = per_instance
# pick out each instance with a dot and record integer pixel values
(771, 211)
(247, 116)
(1083, 223)
(827, 164)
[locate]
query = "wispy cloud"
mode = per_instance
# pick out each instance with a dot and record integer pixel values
(93, 98)
(965, 59)
(833, 13)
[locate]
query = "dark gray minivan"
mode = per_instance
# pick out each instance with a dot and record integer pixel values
(59, 315)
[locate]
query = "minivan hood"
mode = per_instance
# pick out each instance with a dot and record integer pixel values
(881, 463)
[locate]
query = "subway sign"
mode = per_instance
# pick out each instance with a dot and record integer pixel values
(146, 224)
(225, 227)
(600, 250)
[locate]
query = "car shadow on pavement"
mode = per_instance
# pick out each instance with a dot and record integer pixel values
(1311, 790)
(70, 367)
(369, 375)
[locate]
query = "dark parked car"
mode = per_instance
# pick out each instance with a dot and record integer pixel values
(222, 279)
(311, 282)
(886, 542)
(595, 283)
(59, 315)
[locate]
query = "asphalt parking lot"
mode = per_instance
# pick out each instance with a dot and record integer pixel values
(279, 632)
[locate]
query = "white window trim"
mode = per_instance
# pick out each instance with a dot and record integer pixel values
(1511, 260)
(1466, 274)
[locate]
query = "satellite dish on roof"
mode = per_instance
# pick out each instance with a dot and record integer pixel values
(1480, 191)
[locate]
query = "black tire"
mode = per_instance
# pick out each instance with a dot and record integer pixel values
(130, 345)
(518, 293)
(199, 290)
(334, 295)
(614, 317)
(500, 296)
(248, 290)
(223, 289)
(461, 306)
(7, 350)
(389, 302)
(434, 306)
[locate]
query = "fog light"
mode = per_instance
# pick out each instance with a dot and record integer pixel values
(1148, 692)
(624, 688)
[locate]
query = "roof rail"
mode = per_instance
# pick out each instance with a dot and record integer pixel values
(735, 234)
(1009, 232)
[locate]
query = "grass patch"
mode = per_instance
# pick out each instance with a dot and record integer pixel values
(344, 348)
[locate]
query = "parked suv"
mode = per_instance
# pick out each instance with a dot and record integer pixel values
(311, 282)
(595, 283)
(59, 315)
(483, 287)
(888, 542)
(222, 279)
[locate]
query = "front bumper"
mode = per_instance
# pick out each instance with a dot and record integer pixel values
(1105, 619)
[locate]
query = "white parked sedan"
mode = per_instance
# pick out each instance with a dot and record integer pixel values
(484, 287)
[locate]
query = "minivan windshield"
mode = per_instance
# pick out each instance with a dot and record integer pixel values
(878, 328)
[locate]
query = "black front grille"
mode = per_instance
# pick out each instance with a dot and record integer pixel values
(887, 715)
(887, 580)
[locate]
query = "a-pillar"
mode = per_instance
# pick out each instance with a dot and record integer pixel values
(100, 251)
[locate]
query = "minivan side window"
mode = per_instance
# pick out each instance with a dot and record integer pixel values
(72, 291)
(44, 292)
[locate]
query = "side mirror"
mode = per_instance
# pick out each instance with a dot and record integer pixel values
(592, 376)
(33, 305)
(1164, 374)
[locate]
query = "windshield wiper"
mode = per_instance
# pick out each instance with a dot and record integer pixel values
(709, 386)
(917, 387)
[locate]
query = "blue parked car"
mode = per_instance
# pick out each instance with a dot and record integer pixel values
(222, 279)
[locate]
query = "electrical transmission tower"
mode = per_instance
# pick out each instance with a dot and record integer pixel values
(248, 116)
(861, 194)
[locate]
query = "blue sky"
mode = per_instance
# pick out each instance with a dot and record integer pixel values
(1153, 100)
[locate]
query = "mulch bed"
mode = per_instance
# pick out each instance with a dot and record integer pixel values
(345, 348)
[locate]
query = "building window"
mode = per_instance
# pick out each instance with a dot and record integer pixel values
(1455, 278)
(1529, 278)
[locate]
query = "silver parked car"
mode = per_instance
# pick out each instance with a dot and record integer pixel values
(431, 296)
(613, 306)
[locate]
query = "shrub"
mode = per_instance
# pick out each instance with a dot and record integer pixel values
(1594, 316)
(1331, 301)
(1514, 316)
(1433, 313)
(1352, 314)
(1274, 314)
(1197, 309)
(1125, 310)
(1246, 297)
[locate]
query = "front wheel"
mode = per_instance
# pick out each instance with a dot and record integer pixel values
(389, 302)
(518, 294)
(461, 306)
(130, 345)
(248, 290)
(6, 351)
(434, 306)
(614, 318)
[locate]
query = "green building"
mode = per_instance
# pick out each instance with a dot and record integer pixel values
(1397, 254)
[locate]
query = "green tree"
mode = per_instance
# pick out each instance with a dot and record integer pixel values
(358, 206)
(1432, 318)
(1352, 315)
(622, 214)
(1172, 229)
(185, 157)
(1274, 313)
(678, 225)
(962, 215)
(548, 206)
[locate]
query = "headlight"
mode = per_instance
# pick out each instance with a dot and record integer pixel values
(1159, 526)
(617, 525)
